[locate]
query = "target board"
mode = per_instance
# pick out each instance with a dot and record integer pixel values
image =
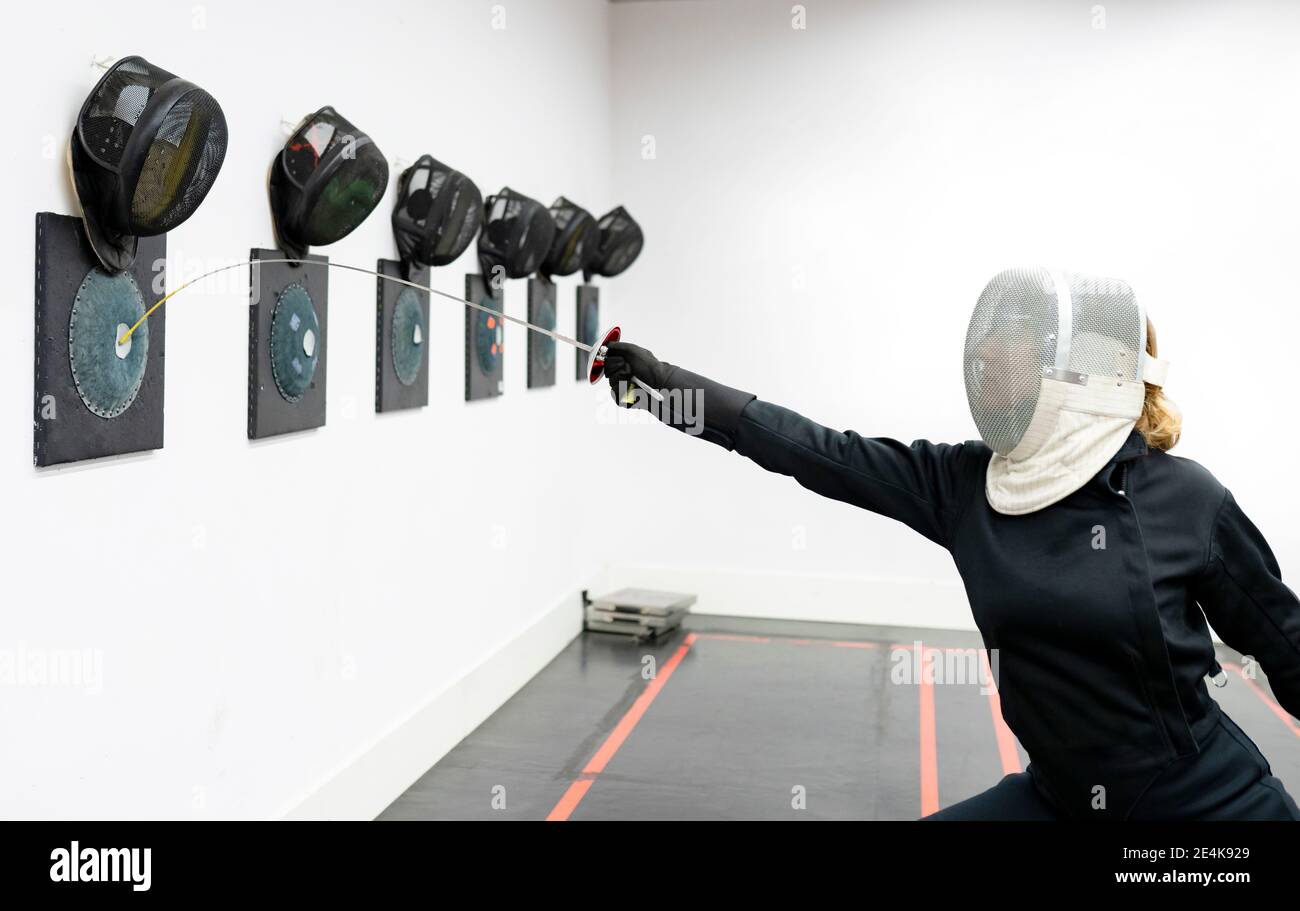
(287, 333)
(401, 340)
(94, 395)
(484, 341)
(541, 348)
(588, 325)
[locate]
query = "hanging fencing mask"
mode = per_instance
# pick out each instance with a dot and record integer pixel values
(620, 244)
(577, 239)
(516, 236)
(437, 214)
(145, 150)
(324, 182)
(1055, 365)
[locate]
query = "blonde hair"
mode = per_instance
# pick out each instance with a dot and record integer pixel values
(1160, 422)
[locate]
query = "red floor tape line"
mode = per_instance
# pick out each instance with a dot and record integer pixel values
(1006, 740)
(1276, 709)
(929, 747)
(928, 729)
(929, 742)
(578, 790)
(786, 640)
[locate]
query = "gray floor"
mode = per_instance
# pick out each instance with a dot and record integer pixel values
(753, 718)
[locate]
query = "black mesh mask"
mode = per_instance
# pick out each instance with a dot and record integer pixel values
(517, 234)
(577, 239)
(437, 214)
(621, 241)
(145, 150)
(324, 182)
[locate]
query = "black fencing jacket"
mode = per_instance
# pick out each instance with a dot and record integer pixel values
(1097, 605)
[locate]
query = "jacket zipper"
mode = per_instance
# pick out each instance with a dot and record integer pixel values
(1167, 734)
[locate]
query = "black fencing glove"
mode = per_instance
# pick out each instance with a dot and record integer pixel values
(693, 404)
(624, 361)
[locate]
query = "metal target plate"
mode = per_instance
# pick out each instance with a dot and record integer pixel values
(408, 337)
(484, 339)
(104, 405)
(489, 336)
(588, 324)
(284, 397)
(107, 374)
(402, 345)
(295, 334)
(541, 348)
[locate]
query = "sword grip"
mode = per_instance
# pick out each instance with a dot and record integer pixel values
(653, 393)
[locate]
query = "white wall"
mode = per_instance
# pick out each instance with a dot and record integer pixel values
(247, 660)
(822, 209)
(824, 206)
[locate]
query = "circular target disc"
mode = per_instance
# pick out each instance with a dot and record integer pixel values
(107, 375)
(546, 344)
(487, 338)
(587, 325)
(295, 342)
(408, 336)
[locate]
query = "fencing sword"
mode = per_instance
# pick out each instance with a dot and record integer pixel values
(597, 352)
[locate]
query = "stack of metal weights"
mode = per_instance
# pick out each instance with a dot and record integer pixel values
(638, 612)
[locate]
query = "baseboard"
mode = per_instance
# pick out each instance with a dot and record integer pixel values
(373, 779)
(876, 600)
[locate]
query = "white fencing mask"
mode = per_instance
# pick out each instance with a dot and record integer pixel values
(1055, 365)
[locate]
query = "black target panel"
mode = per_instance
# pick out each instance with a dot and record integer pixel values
(541, 348)
(287, 333)
(588, 325)
(401, 339)
(484, 341)
(93, 396)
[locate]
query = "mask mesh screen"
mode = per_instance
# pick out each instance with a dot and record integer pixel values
(116, 105)
(181, 165)
(1011, 339)
(437, 214)
(576, 239)
(347, 197)
(326, 180)
(620, 243)
(305, 150)
(466, 215)
(421, 190)
(517, 233)
(1107, 329)
(442, 211)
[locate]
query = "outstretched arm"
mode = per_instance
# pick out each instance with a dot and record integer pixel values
(922, 485)
(1243, 596)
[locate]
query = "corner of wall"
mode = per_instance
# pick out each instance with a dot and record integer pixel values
(378, 775)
